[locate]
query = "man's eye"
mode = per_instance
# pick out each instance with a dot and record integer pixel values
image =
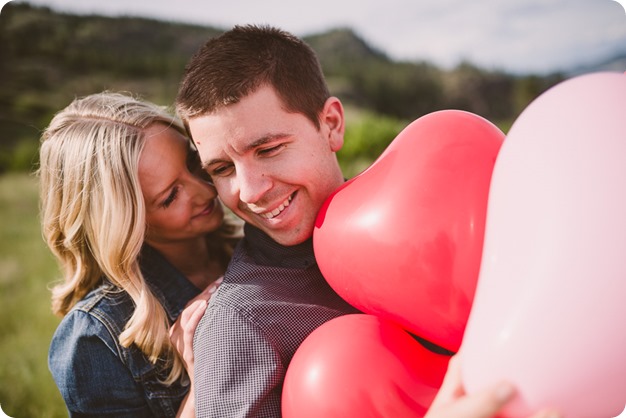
(222, 170)
(271, 151)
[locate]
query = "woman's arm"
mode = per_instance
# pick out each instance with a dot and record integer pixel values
(92, 379)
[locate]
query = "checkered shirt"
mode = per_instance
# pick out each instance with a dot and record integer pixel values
(271, 299)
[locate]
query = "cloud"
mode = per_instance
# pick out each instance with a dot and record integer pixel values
(539, 35)
(515, 35)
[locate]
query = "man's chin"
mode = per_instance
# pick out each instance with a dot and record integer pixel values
(290, 238)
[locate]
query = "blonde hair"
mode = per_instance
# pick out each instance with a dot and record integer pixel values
(93, 212)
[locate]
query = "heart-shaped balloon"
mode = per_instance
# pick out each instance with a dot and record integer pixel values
(550, 305)
(361, 366)
(403, 240)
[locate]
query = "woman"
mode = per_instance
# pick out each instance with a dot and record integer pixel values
(138, 233)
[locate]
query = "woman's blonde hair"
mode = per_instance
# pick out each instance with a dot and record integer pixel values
(93, 211)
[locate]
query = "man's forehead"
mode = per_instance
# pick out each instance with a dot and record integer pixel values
(207, 134)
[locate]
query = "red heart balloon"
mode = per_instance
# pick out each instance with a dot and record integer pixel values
(403, 240)
(361, 366)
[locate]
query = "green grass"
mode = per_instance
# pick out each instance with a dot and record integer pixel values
(27, 270)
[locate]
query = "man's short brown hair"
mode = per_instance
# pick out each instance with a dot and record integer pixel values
(235, 64)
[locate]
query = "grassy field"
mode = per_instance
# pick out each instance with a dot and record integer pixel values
(27, 270)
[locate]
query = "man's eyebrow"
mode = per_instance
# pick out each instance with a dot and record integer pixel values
(249, 147)
(206, 164)
(265, 139)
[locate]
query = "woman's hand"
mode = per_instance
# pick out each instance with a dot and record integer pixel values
(181, 336)
(452, 401)
(183, 330)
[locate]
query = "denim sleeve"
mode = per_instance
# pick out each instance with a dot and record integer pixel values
(238, 371)
(89, 372)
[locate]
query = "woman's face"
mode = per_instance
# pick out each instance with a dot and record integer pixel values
(180, 204)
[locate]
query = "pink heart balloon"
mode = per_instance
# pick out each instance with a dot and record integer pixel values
(403, 240)
(549, 310)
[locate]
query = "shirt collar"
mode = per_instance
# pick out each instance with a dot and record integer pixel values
(265, 251)
(168, 284)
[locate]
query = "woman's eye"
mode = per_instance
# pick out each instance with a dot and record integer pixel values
(170, 198)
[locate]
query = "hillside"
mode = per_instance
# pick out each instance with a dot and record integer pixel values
(617, 64)
(48, 58)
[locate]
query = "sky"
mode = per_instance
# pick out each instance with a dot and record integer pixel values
(520, 36)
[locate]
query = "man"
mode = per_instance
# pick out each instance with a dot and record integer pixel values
(257, 106)
(259, 111)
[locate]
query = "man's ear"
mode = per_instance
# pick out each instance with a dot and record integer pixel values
(332, 123)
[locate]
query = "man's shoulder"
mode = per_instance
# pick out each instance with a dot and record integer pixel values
(245, 297)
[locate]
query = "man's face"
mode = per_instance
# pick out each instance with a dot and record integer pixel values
(272, 168)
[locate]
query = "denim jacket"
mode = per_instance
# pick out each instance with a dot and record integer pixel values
(96, 376)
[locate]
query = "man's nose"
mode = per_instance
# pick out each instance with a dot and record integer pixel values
(253, 184)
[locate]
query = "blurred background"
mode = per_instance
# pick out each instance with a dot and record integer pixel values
(390, 63)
